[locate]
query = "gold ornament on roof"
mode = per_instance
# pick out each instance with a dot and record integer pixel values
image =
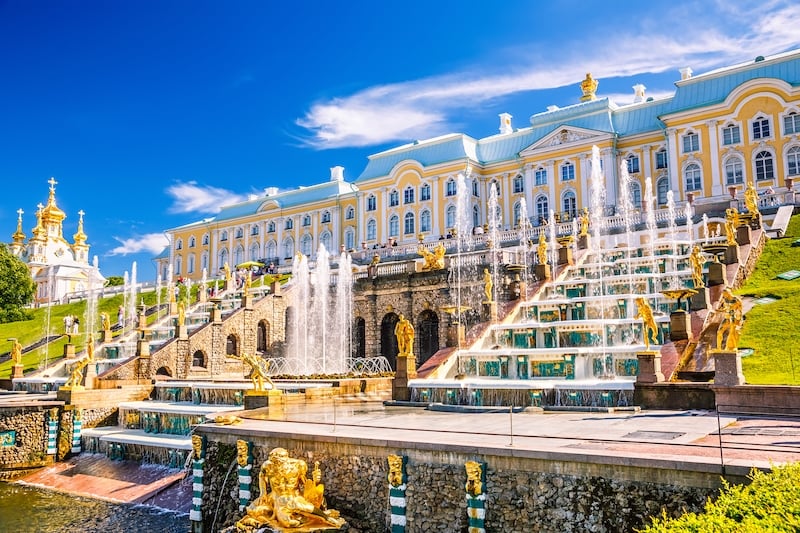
(589, 88)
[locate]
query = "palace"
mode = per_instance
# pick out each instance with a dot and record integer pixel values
(57, 267)
(715, 134)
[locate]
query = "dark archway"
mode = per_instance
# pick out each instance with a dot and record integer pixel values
(428, 334)
(199, 359)
(164, 371)
(262, 336)
(388, 339)
(360, 338)
(232, 345)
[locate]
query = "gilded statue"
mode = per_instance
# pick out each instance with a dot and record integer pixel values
(395, 470)
(541, 249)
(696, 262)
(589, 88)
(731, 223)
(645, 312)
(197, 447)
(751, 201)
(404, 331)
(289, 499)
(227, 271)
(76, 374)
(433, 260)
(242, 452)
(584, 222)
(474, 485)
(248, 281)
(732, 318)
(487, 284)
(259, 368)
(106, 321)
(16, 352)
(181, 313)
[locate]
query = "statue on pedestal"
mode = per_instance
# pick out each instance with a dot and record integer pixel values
(16, 352)
(732, 317)
(487, 284)
(289, 499)
(696, 262)
(645, 312)
(433, 260)
(404, 331)
(731, 223)
(541, 249)
(259, 368)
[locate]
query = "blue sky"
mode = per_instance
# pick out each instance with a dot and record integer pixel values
(152, 114)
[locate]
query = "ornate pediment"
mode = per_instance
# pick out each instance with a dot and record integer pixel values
(565, 135)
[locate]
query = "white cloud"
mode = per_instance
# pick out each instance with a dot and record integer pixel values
(710, 36)
(153, 243)
(189, 197)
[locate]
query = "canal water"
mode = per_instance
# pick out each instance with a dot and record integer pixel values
(28, 509)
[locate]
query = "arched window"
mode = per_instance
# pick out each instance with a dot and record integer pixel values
(306, 244)
(425, 221)
(255, 253)
(223, 257)
(325, 240)
(350, 214)
(476, 216)
(288, 248)
(793, 161)
(408, 224)
(239, 233)
(372, 230)
(349, 239)
(224, 235)
(475, 190)
(394, 199)
(205, 239)
(199, 359)
(254, 229)
(307, 220)
(238, 255)
(450, 217)
(662, 187)
(271, 227)
(425, 192)
(190, 266)
(179, 244)
(517, 213)
(394, 226)
(519, 184)
(692, 177)
(765, 167)
(496, 185)
(450, 187)
(192, 242)
(326, 216)
(635, 190)
(372, 203)
(542, 209)
(231, 345)
(408, 195)
(289, 224)
(178, 265)
(204, 261)
(569, 206)
(633, 163)
(734, 171)
(272, 249)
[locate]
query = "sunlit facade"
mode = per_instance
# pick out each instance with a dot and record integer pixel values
(714, 134)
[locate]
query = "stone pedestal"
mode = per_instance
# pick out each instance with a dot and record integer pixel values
(731, 255)
(700, 300)
(247, 301)
(680, 326)
(91, 376)
(743, 235)
(649, 367)
(143, 346)
(542, 272)
(16, 371)
(490, 311)
(202, 294)
(583, 242)
(107, 336)
(717, 274)
(173, 307)
(275, 288)
(259, 399)
(456, 335)
(406, 370)
(181, 331)
(216, 310)
(69, 350)
(727, 368)
(565, 256)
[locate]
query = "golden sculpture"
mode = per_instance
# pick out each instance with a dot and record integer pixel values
(404, 331)
(106, 321)
(541, 249)
(289, 499)
(259, 368)
(487, 284)
(751, 201)
(375, 260)
(181, 313)
(76, 374)
(227, 420)
(248, 281)
(474, 485)
(645, 312)
(584, 222)
(433, 260)
(731, 324)
(731, 223)
(395, 470)
(197, 447)
(696, 262)
(16, 352)
(589, 88)
(227, 271)
(242, 452)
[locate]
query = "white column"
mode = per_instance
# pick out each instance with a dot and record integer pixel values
(717, 187)
(437, 208)
(647, 164)
(672, 153)
(610, 174)
(279, 223)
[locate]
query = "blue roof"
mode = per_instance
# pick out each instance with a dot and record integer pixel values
(641, 117)
(430, 152)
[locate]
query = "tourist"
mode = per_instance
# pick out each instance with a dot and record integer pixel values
(76, 322)
(68, 324)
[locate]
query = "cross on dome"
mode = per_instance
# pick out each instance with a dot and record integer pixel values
(52, 181)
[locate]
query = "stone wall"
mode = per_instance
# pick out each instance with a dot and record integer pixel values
(556, 493)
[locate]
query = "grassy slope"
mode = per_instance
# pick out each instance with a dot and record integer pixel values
(773, 330)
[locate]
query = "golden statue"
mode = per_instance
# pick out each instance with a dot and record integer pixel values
(645, 312)
(227, 271)
(404, 331)
(751, 201)
(16, 352)
(227, 420)
(248, 281)
(76, 374)
(474, 485)
(589, 88)
(433, 260)
(731, 223)
(696, 262)
(106, 321)
(487, 284)
(289, 499)
(731, 324)
(259, 368)
(541, 249)
(584, 222)
(197, 447)
(395, 470)
(181, 313)
(242, 452)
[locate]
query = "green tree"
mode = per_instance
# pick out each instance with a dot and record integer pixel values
(113, 281)
(16, 287)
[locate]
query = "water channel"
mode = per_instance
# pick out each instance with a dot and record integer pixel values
(28, 509)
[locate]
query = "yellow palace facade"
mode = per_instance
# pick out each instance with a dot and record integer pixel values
(716, 133)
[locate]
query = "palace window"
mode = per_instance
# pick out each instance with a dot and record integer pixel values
(372, 203)
(350, 214)
(570, 206)
(494, 184)
(540, 176)
(567, 172)
(179, 244)
(325, 240)
(408, 195)
(425, 221)
(761, 128)
(791, 123)
(349, 239)
(633, 164)
(306, 244)
(425, 192)
(372, 230)
(661, 159)
(635, 192)
(254, 230)
(765, 169)
(519, 185)
(692, 177)
(475, 191)
(205, 239)
(307, 220)
(271, 227)
(734, 171)
(239, 233)
(662, 187)
(450, 217)
(450, 187)
(517, 213)
(542, 209)
(408, 224)
(731, 135)
(289, 224)
(394, 199)
(190, 269)
(691, 142)
(326, 216)
(192, 242)
(394, 226)
(793, 161)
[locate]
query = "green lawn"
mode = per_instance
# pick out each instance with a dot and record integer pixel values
(773, 329)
